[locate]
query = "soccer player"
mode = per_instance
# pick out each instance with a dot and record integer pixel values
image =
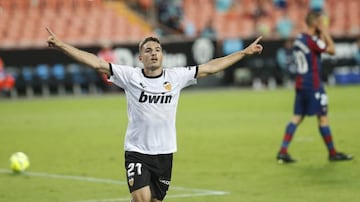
(310, 98)
(152, 94)
(7, 81)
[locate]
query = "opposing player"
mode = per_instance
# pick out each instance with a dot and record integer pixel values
(152, 95)
(311, 98)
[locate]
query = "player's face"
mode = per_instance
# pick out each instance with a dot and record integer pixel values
(318, 22)
(151, 55)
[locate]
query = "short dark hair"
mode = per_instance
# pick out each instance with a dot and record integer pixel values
(147, 39)
(311, 17)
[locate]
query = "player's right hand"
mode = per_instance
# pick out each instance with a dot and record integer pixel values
(52, 40)
(254, 47)
(321, 26)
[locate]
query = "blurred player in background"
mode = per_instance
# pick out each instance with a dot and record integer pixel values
(7, 81)
(310, 98)
(152, 95)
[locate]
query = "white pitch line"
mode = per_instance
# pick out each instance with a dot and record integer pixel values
(169, 196)
(213, 192)
(69, 177)
(194, 192)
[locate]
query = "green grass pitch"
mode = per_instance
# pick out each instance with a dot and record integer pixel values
(227, 141)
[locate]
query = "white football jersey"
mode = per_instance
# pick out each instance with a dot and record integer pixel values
(151, 105)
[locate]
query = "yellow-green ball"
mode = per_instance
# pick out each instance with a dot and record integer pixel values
(19, 162)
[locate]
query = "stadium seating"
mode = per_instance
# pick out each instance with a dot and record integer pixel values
(77, 78)
(344, 16)
(232, 45)
(57, 79)
(76, 21)
(91, 22)
(24, 81)
(41, 79)
(80, 80)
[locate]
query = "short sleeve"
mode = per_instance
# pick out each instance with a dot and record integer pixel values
(120, 74)
(186, 75)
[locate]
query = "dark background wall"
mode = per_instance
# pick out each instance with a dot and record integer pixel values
(192, 52)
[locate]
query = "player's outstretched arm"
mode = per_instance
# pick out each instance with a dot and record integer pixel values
(219, 64)
(82, 56)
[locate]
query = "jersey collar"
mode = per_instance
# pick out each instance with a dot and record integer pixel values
(151, 77)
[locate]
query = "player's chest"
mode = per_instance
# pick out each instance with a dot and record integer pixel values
(161, 85)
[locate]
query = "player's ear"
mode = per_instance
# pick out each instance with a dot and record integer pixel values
(140, 57)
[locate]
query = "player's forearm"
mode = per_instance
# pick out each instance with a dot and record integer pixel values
(330, 49)
(220, 64)
(84, 57)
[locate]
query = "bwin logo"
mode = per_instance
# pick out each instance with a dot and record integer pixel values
(161, 99)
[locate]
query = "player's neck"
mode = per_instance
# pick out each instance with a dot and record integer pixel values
(311, 31)
(152, 73)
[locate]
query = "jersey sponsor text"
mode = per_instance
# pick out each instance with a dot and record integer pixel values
(156, 99)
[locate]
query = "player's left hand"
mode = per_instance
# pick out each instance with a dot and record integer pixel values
(254, 47)
(53, 41)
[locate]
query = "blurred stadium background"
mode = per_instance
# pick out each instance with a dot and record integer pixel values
(193, 31)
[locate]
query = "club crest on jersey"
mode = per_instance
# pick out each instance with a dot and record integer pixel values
(167, 86)
(131, 182)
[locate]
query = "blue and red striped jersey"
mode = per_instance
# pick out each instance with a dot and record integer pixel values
(307, 52)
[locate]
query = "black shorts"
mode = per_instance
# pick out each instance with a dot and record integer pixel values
(153, 170)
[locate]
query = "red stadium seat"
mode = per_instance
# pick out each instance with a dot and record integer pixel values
(6, 4)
